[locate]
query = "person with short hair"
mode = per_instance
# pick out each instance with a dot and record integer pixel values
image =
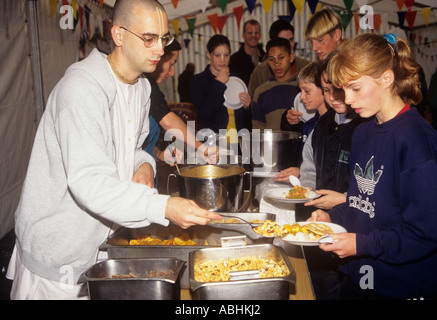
(276, 95)
(87, 172)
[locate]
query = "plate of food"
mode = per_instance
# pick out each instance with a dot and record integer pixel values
(296, 194)
(308, 233)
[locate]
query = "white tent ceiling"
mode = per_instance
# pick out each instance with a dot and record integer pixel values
(193, 7)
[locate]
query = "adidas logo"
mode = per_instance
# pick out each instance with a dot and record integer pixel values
(366, 179)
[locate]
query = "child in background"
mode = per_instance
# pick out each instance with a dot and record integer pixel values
(273, 97)
(313, 99)
(390, 208)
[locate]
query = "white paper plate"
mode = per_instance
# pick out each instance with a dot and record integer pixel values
(292, 239)
(234, 87)
(299, 106)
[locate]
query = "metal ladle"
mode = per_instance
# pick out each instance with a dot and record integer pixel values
(294, 181)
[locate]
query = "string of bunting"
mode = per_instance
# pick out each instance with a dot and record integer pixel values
(218, 22)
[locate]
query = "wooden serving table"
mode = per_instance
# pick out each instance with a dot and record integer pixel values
(303, 289)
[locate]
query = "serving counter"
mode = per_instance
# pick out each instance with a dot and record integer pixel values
(302, 290)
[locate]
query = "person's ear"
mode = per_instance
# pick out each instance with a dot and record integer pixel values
(387, 78)
(116, 35)
(337, 34)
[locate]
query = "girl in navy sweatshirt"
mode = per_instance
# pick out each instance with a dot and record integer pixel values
(390, 213)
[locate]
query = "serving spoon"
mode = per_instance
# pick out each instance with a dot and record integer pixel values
(252, 227)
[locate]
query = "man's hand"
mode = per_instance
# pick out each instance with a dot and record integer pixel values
(145, 175)
(186, 213)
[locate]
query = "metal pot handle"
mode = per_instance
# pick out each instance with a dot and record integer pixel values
(250, 190)
(168, 179)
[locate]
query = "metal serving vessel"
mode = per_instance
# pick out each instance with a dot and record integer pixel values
(103, 286)
(213, 187)
(118, 246)
(247, 287)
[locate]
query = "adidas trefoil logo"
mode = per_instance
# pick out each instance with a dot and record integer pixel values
(367, 180)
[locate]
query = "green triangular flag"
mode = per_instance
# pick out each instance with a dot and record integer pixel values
(223, 4)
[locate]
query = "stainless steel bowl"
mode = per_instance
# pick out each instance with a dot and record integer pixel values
(216, 188)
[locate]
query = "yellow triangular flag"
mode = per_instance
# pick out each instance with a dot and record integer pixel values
(299, 5)
(267, 4)
(425, 13)
(73, 4)
(53, 4)
(318, 7)
(175, 24)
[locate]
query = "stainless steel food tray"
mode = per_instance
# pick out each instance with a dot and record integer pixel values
(118, 246)
(250, 289)
(102, 285)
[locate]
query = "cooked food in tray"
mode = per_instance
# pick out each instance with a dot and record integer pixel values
(214, 271)
(147, 240)
(270, 229)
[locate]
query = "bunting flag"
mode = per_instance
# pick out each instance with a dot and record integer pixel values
(377, 21)
(238, 13)
(345, 18)
(410, 16)
(203, 4)
(221, 22)
(409, 4)
(291, 9)
(312, 4)
(223, 4)
(53, 5)
(250, 5)
(401, 18)
(175, 3)
(175, 24)
(298, 4)
(357, 21)
(73, 4)
(425, 13)
(400, 4)
(101, 2)
(191, 21)
(213, 20)
(348, 4)
(267, 5)
(187, 42)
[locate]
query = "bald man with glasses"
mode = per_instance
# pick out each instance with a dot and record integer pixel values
(87, 171)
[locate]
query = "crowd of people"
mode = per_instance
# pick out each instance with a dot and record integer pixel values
(366, 150)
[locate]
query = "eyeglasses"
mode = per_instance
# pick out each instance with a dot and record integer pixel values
(151, 39)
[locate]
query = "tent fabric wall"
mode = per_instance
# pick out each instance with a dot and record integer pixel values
(17, 107)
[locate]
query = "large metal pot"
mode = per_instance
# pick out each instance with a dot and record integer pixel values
(270, 150)
(216, 188)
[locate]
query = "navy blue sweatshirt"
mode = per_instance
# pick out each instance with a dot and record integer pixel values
(391, 205)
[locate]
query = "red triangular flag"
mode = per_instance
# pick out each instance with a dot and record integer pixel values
(213, 19)
(238, 13)
(101, 2)
(221, 22)
(410, 16)
(400, 4)
(175, 3)
(409, 4)
(377, 21)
